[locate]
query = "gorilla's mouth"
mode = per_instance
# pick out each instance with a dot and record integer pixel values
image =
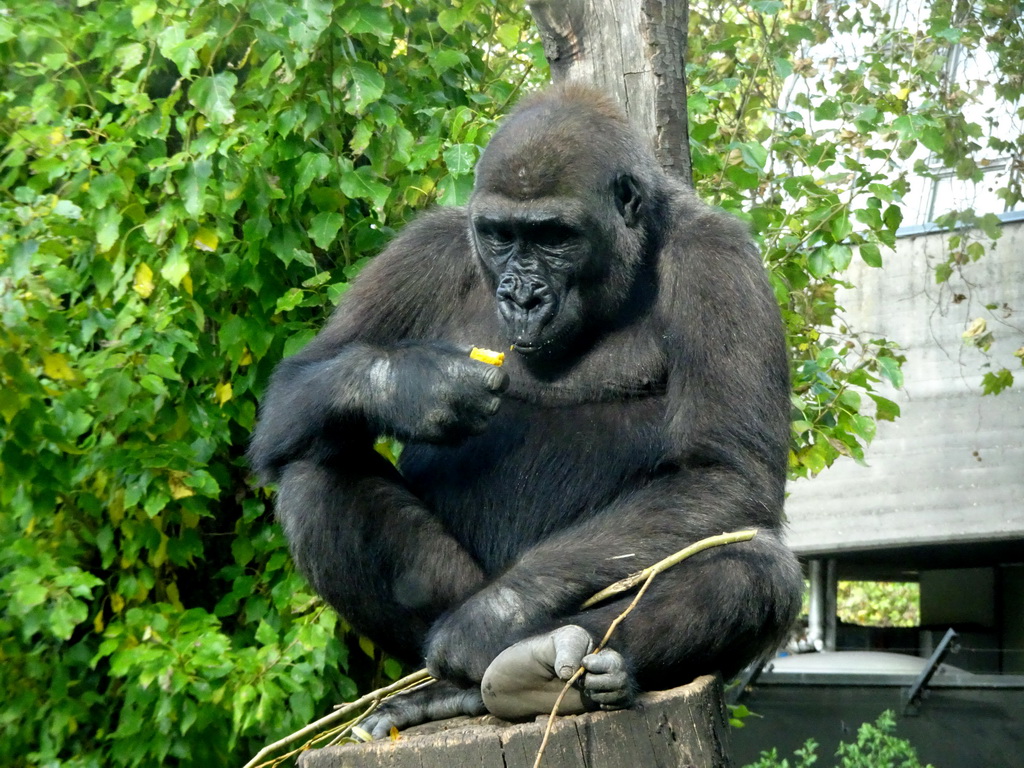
(529, 329)
(540, 342)
(526, 347)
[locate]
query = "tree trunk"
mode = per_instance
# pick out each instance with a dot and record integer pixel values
(636, 51)
(682, 728)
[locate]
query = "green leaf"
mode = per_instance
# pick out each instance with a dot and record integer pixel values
(175, 267)
(446, 58)
(162, 367)
(129, 56)
(212, 96)
(392, 668)
(991, 225)
(265, 634)
(814, 458)
(841, 227)
(508, 34)
(882, 192)
(360, 184)
(839, 256)
(455, 190)
(193, 186)
(367, 19)
(324, 228)
(175, 46)
(783, 67)
(296, 342)
(29, 595)
(890, 369)
(767, 7)
(863, 426)
(755, 155)
(461, 158)
(317, 280)
(143, 12)
(828, 110)
(448, 20)
(65, 615)
(312, 166)
(934, 138)
(818, 263)
(893, 217)
(365, 86)
(67, 209)
(994, 382)
(105, 186)
(871, 254)
(108, 227)
(425, 151)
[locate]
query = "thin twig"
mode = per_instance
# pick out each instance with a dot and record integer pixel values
(632, 580)
(338, 714)
(335, 734)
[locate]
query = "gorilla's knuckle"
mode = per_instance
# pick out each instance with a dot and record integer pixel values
(497, 380)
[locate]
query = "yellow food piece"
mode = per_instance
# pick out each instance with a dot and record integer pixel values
(487, 356)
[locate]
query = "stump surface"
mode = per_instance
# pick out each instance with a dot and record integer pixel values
(684, 727)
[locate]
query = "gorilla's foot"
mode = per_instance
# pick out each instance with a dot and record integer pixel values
(437, 701)
(526, 678)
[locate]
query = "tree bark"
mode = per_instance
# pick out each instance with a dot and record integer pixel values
(636, 51)
(681, 728)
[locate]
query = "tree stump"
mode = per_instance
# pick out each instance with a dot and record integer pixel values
(680, 728)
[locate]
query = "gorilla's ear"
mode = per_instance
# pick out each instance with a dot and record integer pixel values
(628, 199)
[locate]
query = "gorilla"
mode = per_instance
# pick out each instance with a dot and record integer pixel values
(643, 405)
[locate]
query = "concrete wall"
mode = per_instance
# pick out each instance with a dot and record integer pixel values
(951, 469)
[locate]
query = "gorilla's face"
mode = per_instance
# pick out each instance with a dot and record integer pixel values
(559, 226)
(536, 255)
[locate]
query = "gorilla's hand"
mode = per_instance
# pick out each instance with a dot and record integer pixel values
(433, 392)
(464, 642)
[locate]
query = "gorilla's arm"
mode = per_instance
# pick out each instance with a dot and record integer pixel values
(376, 368)
(723, 469)
(367, 544)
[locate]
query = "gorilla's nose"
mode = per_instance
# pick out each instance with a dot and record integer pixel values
(525, 294)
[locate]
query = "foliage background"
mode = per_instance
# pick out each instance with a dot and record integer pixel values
(187, 187)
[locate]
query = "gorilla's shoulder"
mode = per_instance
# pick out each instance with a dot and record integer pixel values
(446, 225)
(716, 235)
(435, 241)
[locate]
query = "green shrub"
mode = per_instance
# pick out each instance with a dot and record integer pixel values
(185, 189)
(876, 747)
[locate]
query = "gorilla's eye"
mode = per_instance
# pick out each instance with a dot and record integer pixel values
(497, 236)
(552, 235)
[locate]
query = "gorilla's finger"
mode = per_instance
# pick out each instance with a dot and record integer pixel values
(604, 662)
(497, 380)
(571, 643)
(613, 682)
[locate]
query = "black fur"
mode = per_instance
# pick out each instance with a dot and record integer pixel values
(646, 408)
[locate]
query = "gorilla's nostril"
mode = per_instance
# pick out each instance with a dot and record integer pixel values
(531, 301)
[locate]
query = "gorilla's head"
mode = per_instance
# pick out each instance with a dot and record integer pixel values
(563, 213)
